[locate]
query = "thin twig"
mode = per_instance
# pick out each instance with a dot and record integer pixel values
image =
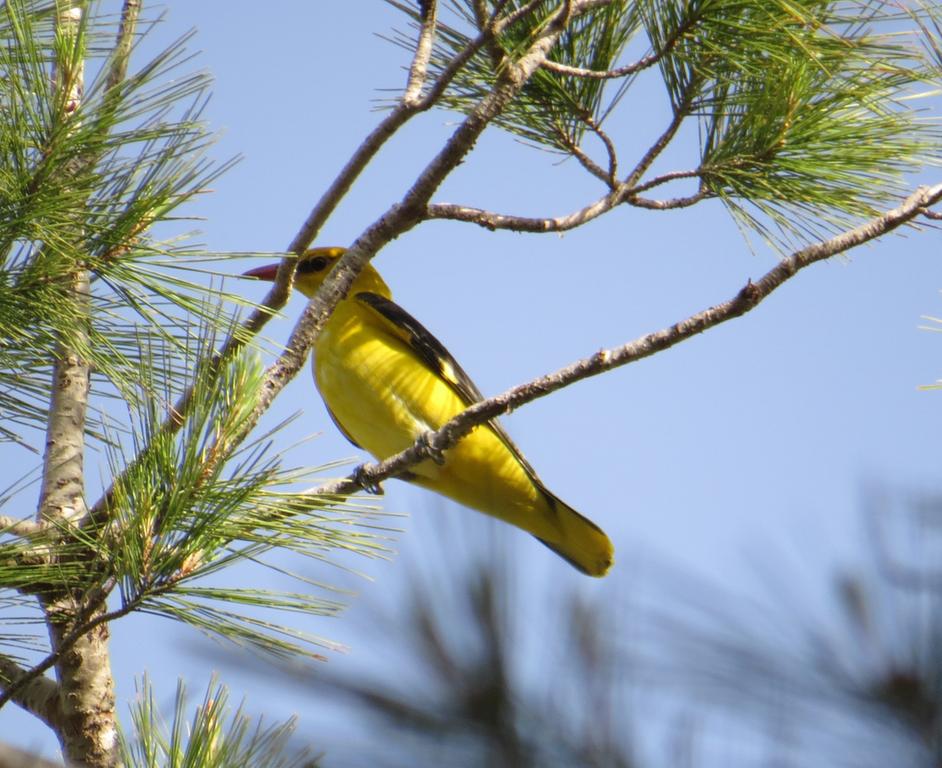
(609, 177)
(746, 299)
(493, 221)
(610, 74)
(680, 114)
(423, 51)
(670, 203)
(521, 13)
(540, 225)
(584, 160)
(629, 69)
(609, 148)
(665, 178)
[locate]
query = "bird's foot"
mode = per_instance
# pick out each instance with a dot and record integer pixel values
(370, 486)
(435, 454)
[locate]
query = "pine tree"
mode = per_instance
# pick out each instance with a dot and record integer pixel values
(808, 131)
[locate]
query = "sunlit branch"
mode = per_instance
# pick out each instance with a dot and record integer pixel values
(629, 69)
(584, 160)
(609, 148)
(665, 178)
(670, 203)
(121, 55)
(494, 221)
(609, 177)
(423, 51)
(611, 74)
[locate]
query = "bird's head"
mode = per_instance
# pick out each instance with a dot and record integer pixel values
(315, 265)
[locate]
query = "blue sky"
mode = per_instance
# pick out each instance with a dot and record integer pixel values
(754, 442)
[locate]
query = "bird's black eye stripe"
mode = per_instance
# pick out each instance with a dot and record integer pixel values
(317, 264)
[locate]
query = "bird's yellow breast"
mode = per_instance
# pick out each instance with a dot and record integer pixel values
(386, 381)
(384, 397)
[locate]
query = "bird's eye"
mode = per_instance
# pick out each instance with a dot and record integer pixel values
(317, 264)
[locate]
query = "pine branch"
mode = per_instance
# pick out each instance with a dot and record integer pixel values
(433, 444)
(36, 694)
(541, 225)
(418, 72)
(608, 74)
(397, 220)
(21, 527)
(277, 297)
(210, 737)
(121, 55)
(625, 191)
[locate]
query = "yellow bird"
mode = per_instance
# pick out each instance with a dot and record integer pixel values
(386, 381)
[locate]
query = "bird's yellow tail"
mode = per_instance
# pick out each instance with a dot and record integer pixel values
(580, 542)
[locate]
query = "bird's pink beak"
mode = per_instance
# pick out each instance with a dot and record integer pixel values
(266, 272)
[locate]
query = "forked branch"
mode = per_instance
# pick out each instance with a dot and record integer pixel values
(746, 299)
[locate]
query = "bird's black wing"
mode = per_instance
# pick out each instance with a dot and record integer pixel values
(434, 354)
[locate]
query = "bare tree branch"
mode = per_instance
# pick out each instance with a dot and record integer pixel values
(609, 177)
(121, 55)
(609, 148)
(493, 221)
(432, 444)
(584, 160)
(88, 619)
(665, 178)
(681, 112)
(38, 695)
(610, 74)
(278, 295)
(623, 192)
(670, 203)
(423, 51)
(629, 69)
(405, 215)
(21, 526)
(621, 195)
